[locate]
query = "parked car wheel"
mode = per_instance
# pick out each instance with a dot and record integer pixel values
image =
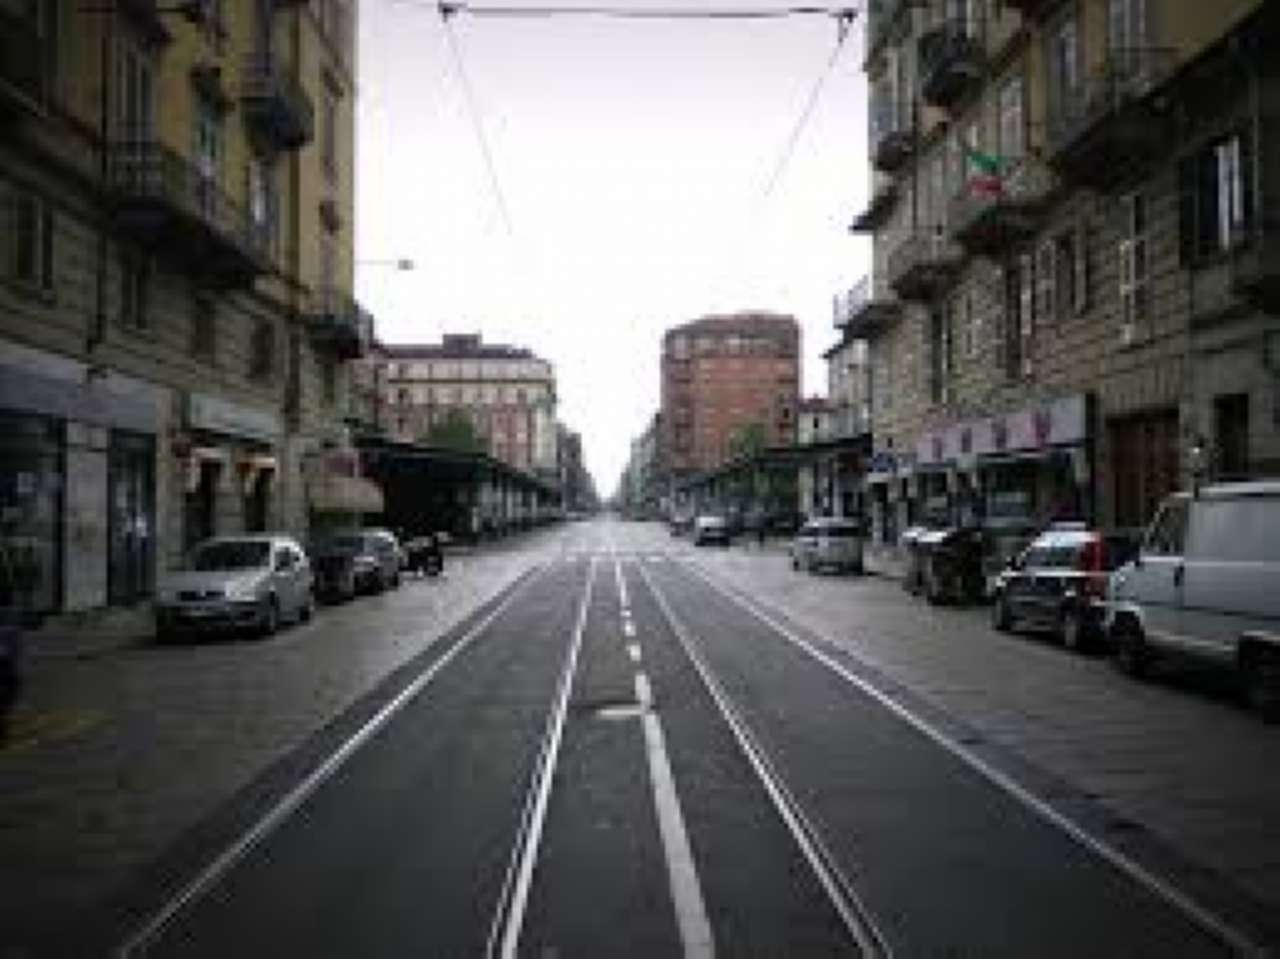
(795, 564)
(306, 610)
(1262, 685)
(270, 617)
(1001, 618)
(933, 593)
(1132, 655)
(1072, 632)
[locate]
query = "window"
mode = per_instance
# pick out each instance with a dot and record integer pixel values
(1216, 200)
(1046, 275)
(262, 350)
(329, 379)
(1011, 354)
(135, 100)
(1135, 292)
(204, 318)
(30, 259)
(135, 278)
(1126, 25)
(1026, 313)
(1063, 58)
(1012, 128)
(939, 352)
(329, 133)
(1065, 270)
(263, 208)
(970, 321)
(1168, 533)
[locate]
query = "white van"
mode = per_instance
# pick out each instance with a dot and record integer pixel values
(828, 542)
(1206, 583)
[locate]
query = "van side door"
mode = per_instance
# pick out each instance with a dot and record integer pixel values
(1154, 581)
(1232, 572)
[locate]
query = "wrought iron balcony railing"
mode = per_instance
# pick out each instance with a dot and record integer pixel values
(952, 63)
(340, 324)
(923, 265)
(990, 217)
(276, 107)
(1100, 129)
(23, 73)
(166, 202)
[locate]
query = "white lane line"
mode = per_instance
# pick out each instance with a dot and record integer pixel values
(623, 599)
(146, 934)
(686, 891)
(1239, 942)
(633, 650)
(629, 628)
(509, 919)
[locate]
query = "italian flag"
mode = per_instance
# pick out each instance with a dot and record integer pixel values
(988, 175)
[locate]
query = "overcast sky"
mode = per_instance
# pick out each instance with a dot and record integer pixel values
(633, 158)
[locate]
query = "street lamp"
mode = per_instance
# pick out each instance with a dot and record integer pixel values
(399, 264)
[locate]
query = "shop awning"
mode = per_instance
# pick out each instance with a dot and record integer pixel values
(335, 493)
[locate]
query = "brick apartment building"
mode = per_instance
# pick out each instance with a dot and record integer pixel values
(1076, 263)
(507, 393)
(723, 374)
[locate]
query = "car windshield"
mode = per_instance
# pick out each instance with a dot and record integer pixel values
(231, 554)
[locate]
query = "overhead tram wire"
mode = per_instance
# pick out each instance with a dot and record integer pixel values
(473, 111)
(797, 131)
(843, 14)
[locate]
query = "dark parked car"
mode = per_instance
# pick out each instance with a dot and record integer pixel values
(951, 564)
(16, 620)
(1059, 584)
(359, 561)
(424, 555)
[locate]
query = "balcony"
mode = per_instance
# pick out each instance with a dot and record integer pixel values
(923, 266)
(989, 223)
(23, 77)
(1239, 282)
(893, 139)
(1030, 9)
(163, 202)
(339, 324)
(851, 421)
(147, 18)
(865, 312)
(878, 211)
(277, 110)
(1112, 126)
(883, 18)
(952, 64)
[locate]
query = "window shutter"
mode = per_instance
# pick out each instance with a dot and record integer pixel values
(1046, 272)
(1126, 265)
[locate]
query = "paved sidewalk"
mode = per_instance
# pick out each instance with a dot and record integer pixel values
(117, 751)
(1176, 755)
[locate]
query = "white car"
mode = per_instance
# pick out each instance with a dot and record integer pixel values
(829, 543)
(252, 582)
(710, 529)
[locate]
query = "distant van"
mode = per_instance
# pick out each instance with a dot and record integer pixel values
(1206, 584)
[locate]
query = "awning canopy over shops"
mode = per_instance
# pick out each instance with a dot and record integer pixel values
(334, 493)
(776, 458)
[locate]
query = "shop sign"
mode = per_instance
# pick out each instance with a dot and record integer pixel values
(216, 415)
(1062, 422)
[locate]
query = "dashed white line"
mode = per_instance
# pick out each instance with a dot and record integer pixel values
(686, 891)
(633, 650)
(628, 628)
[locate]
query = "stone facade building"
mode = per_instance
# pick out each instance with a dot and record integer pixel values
(1073, 300)
(175, 276)
(723, 374)
(507, 393)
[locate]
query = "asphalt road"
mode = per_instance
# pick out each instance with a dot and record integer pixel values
(622, 757)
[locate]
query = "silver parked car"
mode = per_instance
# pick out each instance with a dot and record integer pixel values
(1206, 584)
(828, 543)
(252, 582)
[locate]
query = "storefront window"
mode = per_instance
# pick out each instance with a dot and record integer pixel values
(132, 516)
(31, 471)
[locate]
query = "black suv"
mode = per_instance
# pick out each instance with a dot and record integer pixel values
(1059, 583)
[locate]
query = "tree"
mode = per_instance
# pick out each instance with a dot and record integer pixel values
(458, 432)
(747, 440)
